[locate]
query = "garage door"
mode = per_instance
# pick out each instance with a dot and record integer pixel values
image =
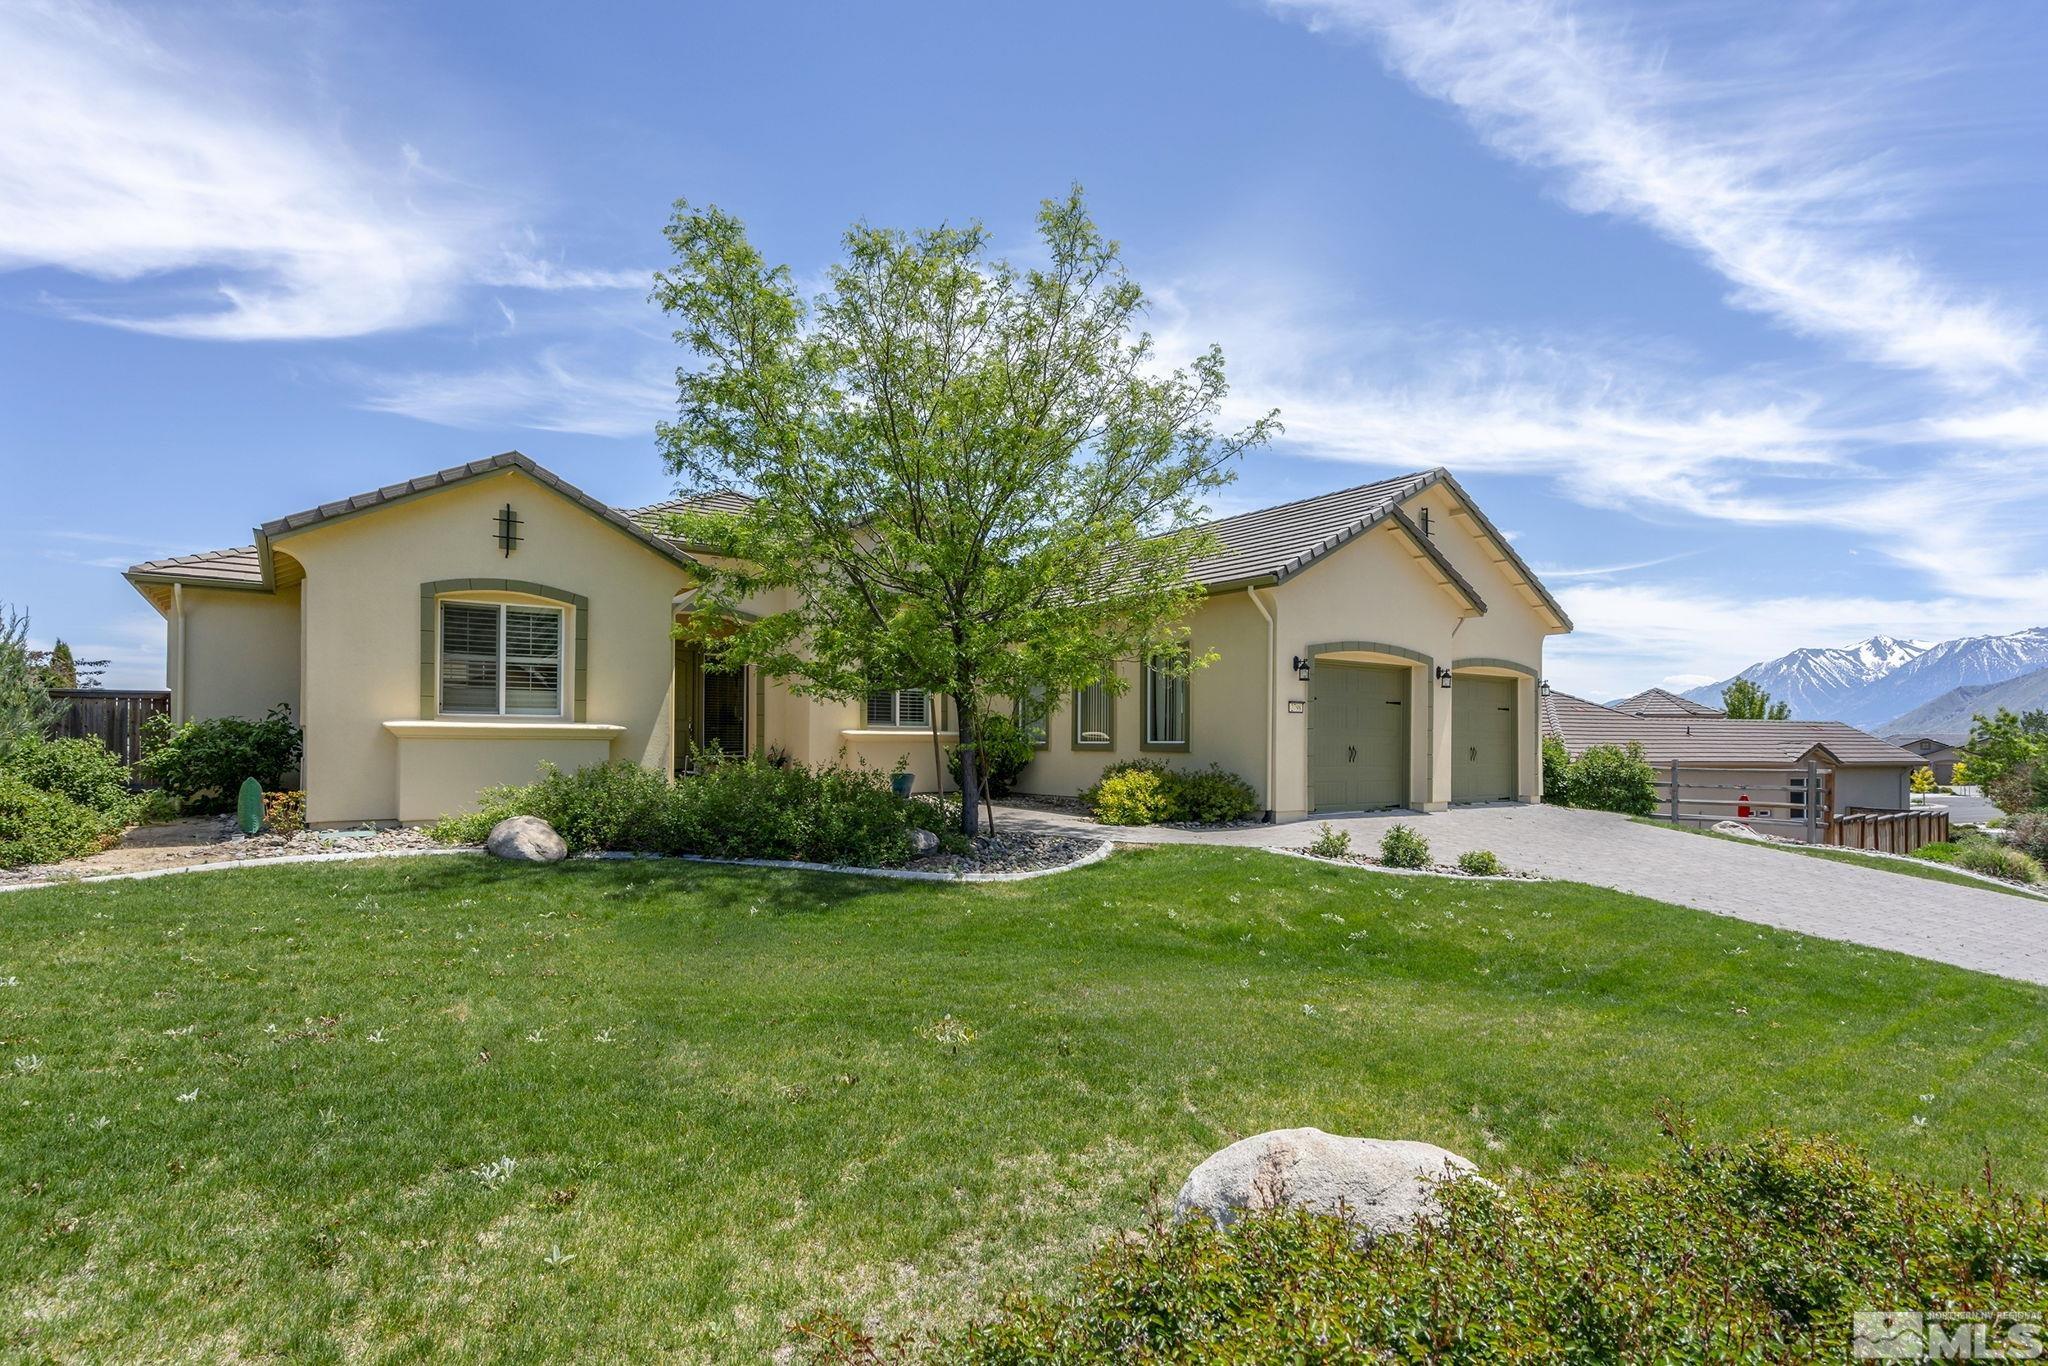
(1358, 736)
(1482, 738)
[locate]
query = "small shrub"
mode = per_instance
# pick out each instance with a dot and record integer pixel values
(1922, 779)
(2028, 833)
(1479, 863)
(1004, 750)
(284, 813)
(1611, 778)
(1212, 796)
(1331, 843)
(203, 763)
(1146, 792)
(1984, 856)
(1401, 847)
(1138, 795)
(86, 771)
(1557, 772)
(47, 827)
(734, 808)
(1941, 851)
(1758, 1251)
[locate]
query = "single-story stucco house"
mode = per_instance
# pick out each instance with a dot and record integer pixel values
(1378, 646)
(1780, 776)
(1940, 755)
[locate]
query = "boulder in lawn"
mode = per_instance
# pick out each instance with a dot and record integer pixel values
(1381, 1184)
(526, 839)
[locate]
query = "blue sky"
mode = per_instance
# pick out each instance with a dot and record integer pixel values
(1734, 319)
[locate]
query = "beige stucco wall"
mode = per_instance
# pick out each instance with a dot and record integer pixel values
(440, 774)
(362, 643)
(1226, 700)
(233, 652)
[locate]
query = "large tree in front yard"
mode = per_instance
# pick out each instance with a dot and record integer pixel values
(977, 478)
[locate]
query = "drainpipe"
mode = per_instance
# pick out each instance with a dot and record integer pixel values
(177, 679)
(1272, 722)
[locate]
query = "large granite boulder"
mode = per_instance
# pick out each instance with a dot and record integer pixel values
(526, 839)
(1381, 1184)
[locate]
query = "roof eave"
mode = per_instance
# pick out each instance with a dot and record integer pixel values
(1440, 475)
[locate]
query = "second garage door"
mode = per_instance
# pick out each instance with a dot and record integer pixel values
(1482, 738)
(1358, 749)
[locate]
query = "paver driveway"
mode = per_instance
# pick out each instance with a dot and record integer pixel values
(1985, 930)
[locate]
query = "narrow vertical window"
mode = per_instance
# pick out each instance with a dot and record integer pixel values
(1034, 717)
(1094, 721)
(1166, 701)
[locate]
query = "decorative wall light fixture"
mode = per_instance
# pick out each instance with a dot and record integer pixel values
(1301, 668)
(1443, 677)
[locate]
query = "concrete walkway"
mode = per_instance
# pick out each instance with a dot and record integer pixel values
(1987, 930)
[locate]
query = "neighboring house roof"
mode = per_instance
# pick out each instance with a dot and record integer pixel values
(1928, 746)
(1716, 741)
(1658, 702)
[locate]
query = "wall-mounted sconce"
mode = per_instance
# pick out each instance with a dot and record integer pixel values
(1443, 677)
(1544, 687)
(1301, 669)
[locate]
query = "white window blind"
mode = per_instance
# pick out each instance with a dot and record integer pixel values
(1092, 717)
(500, 660)
(899, 707)
(469, 658)
(1166, 702)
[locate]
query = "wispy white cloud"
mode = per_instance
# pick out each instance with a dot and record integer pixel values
(1772, 189)
(554, 393)
(223, 210)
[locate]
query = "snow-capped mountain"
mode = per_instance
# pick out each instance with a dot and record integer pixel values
(1820, 683)
(1872, 684)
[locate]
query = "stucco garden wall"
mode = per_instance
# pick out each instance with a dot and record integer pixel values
(233, 652)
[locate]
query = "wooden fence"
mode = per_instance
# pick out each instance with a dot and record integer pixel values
(1890, 832)
(1806, 796)
(115, 715)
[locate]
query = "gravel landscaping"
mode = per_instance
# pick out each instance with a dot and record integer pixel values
(1008, 852)
(212, 839)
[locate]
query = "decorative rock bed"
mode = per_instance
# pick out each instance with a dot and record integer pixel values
(1433, 870)
(1010, 852)
(221, 843)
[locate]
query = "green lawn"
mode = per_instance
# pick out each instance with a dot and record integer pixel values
(1932, 872)
(254, 1113)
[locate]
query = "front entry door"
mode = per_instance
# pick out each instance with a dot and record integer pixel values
(1358, 744)
(711, 707)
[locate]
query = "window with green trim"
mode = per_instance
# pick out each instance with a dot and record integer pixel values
(1166, 700)
(1094, 718)
(1033, 715)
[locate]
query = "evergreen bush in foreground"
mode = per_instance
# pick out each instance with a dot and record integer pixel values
(1758, 1251)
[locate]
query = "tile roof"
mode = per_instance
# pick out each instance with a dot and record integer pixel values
(1269, 543)
(1716, 740)
(244, 566)
(1658, 702)
(227, 567)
